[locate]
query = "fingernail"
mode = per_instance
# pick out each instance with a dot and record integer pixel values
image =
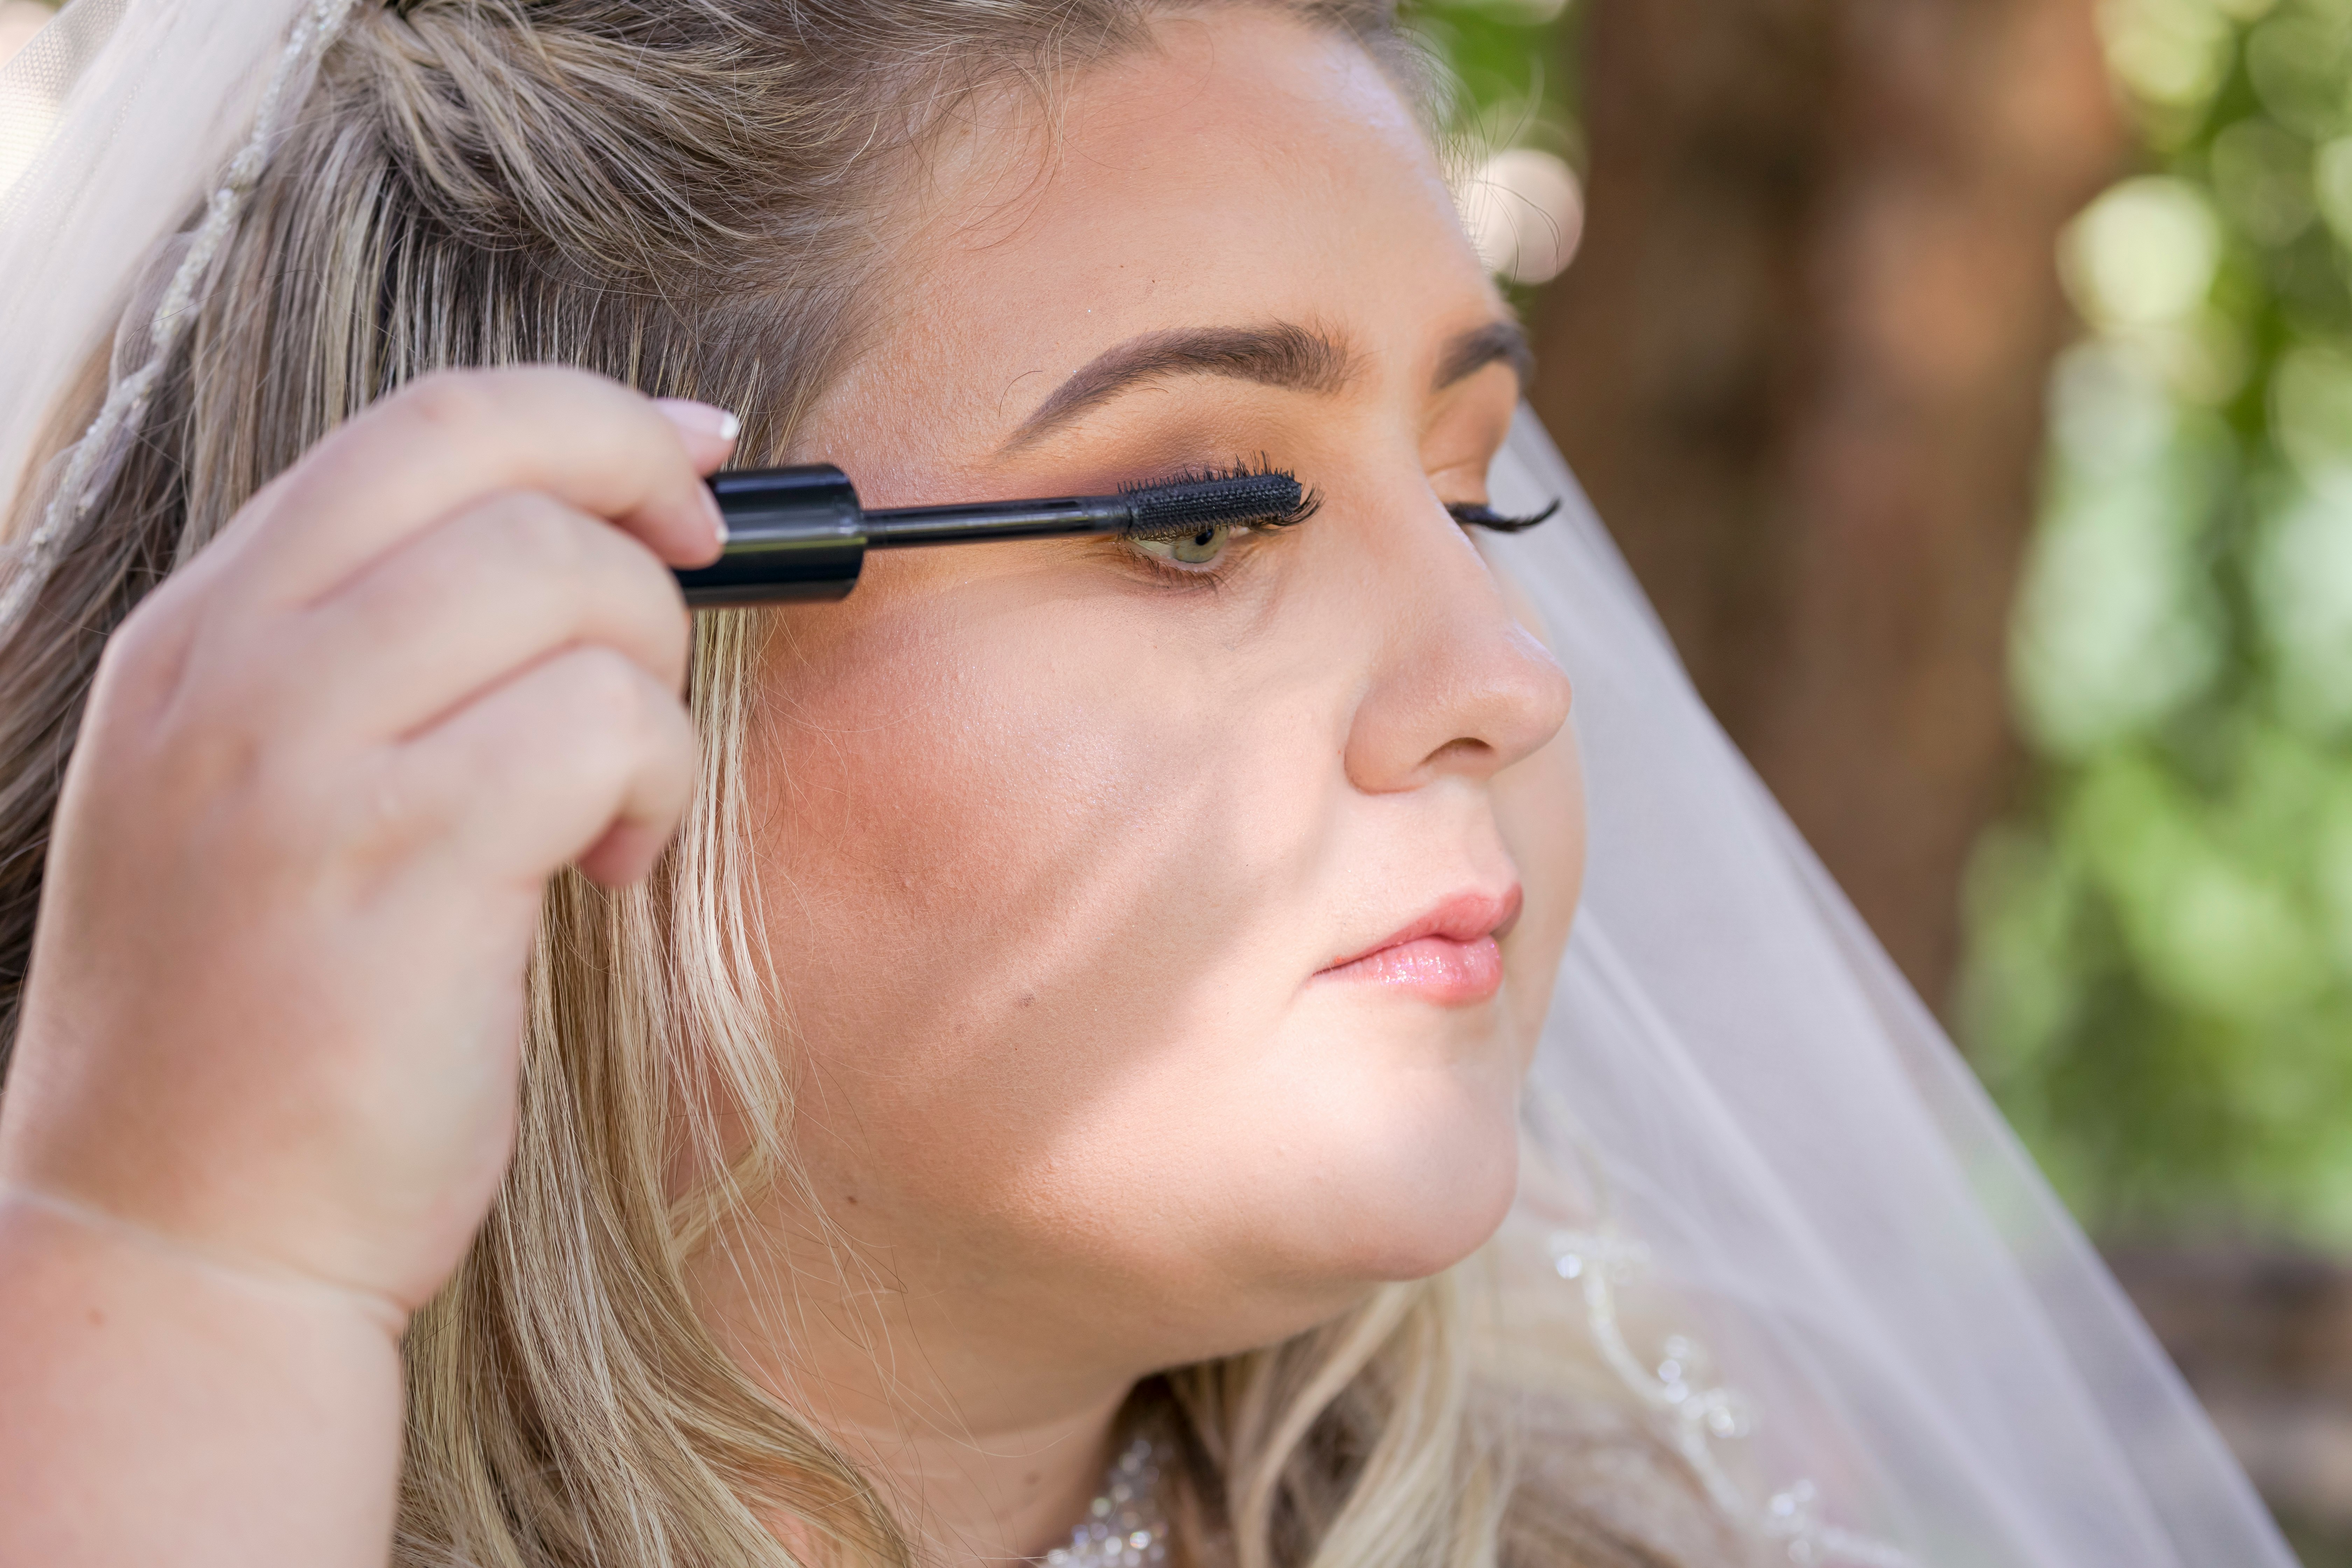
(718, 518)
(700, 419)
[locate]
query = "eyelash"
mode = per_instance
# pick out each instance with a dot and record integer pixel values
(1486, 517)
(1468, 514)
(1308, 499)
(1210, 576)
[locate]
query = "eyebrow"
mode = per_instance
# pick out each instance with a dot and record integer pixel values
(1497, 341)
(1285, 355)
(1302, 359)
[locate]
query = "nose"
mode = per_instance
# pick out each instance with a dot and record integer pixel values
(1461, 687)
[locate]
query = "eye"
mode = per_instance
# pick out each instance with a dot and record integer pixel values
(1204, 535)
(1200, 549)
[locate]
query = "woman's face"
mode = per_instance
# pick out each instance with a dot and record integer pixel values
(1067, 847)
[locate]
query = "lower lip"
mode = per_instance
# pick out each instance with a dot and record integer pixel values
(1433, 968)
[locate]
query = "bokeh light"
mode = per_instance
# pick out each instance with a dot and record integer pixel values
(1524, 210)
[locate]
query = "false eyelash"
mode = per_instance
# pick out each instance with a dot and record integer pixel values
(1478, 516)
(1310, 500)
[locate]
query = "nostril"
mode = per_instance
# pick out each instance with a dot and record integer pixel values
(1464, 749)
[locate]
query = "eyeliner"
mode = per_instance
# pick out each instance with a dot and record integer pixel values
(800, 535)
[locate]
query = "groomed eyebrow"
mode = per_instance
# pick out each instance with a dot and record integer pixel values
(1301, 359)
(1471, 352)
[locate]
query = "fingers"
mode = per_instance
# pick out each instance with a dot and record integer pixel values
(466, 586)
(448, 441)
(500, 586)
(709, 433)
(584, 756)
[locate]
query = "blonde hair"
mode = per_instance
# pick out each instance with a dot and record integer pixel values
(692, 196)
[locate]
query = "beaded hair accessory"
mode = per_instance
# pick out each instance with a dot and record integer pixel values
(79, 488)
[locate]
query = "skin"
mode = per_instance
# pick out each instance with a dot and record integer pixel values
(1060, 842)
(1057, 848)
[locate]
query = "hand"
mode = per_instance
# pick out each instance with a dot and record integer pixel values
(325, 773)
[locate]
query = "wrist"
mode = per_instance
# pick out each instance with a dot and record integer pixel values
(167, 1405)
(99, 1232)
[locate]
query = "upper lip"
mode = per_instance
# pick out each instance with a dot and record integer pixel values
(1465, 916)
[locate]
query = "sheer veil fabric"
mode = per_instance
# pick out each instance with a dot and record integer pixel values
(1767, 1205)
(1765, 1132)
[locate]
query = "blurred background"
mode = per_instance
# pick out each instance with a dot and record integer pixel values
(1970, 381)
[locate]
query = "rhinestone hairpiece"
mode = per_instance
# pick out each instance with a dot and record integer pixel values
(1700, 1415)
(77, 489)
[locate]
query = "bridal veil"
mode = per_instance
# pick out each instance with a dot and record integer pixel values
(1770, 1205)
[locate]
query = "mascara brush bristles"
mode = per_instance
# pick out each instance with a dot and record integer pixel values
(1204, 500)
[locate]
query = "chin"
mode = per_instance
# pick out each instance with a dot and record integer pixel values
(1326, 1252)
(1418, 1193)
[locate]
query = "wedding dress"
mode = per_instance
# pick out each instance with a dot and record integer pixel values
(1769, 1205)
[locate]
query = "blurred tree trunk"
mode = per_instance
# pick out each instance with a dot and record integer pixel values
(1798, 365)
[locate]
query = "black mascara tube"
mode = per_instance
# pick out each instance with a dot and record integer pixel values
(798, 534)
(792, 535)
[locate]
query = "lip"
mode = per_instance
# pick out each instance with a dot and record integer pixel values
(1451, 955)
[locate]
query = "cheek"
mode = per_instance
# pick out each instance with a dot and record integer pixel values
(1006, 846)
(1045, 881)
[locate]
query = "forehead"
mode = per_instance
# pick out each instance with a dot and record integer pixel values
(1246, 168)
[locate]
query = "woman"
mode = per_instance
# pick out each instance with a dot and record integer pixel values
(1062, 1011)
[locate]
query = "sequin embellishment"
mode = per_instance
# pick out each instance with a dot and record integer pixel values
(1125, 1527)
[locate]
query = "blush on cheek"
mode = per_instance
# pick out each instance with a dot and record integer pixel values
(1000, 861)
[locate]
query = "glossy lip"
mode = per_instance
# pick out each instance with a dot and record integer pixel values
(1452, 954)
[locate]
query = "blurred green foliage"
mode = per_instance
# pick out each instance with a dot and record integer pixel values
(1513, 61)
(2160, 987)
(1517, 78)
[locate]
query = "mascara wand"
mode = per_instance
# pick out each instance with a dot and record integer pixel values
(800, 533)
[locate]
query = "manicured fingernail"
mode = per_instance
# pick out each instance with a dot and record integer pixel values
(700, 419)
(718, 518)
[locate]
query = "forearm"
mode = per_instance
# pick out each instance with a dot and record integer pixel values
(158, 1408)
